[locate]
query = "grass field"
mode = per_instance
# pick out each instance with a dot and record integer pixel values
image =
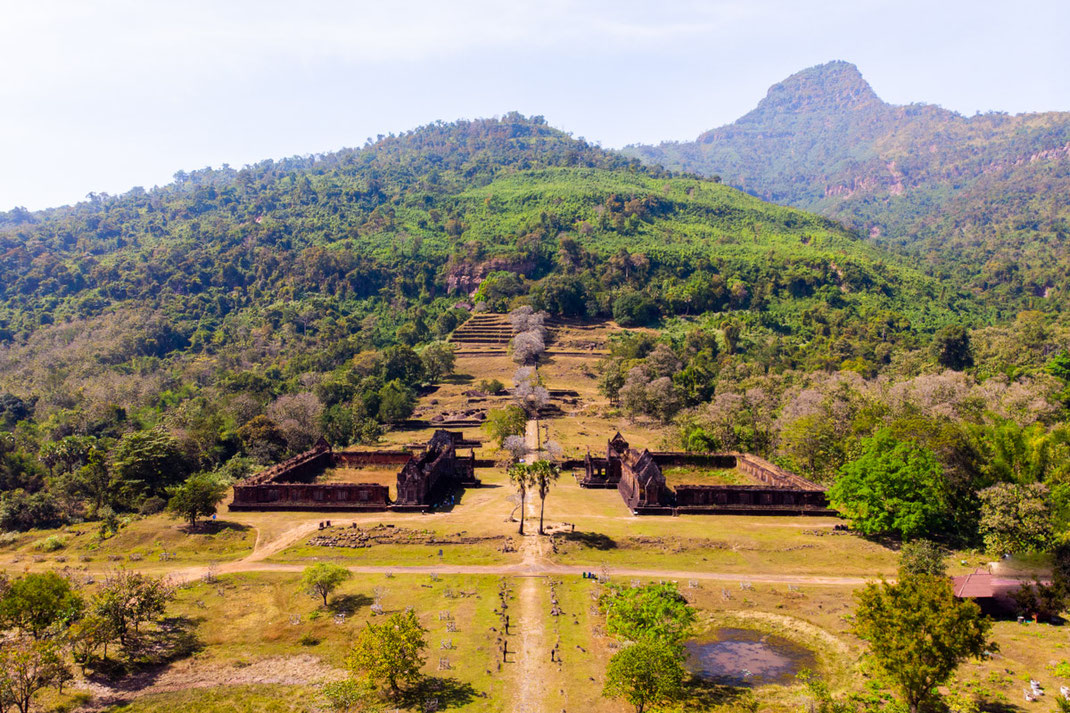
(383, 474)
(155, 538)
(696, 475)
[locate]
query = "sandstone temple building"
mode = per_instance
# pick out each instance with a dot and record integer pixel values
(638, 476)
(423, 480)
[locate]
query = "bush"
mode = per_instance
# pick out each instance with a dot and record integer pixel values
(152, 505)
(491, 386)
(21, 511)
(634, 310)
(50, 544)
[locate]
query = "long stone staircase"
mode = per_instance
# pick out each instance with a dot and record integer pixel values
(483, 333)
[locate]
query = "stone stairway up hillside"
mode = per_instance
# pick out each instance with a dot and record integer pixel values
(483, 333)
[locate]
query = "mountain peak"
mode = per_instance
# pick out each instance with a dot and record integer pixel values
(832, 87)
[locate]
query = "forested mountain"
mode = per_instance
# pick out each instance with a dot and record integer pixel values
(240, 314)
(983, 200)
(303, 263)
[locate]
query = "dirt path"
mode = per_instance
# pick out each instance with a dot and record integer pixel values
(183, 675)
(532, 651)
(531, 440)
(535, 563)
(549, 568)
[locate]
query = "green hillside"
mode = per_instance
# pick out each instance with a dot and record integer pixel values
(309, 260)
(980, 201)
(246, 313)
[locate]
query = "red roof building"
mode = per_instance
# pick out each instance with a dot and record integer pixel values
(994, 594)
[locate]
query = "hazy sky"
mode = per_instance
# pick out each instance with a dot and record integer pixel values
(103, 95)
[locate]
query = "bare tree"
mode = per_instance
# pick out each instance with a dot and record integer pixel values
(516, 447)
(525, 319)
(528, 347)
(298, 418)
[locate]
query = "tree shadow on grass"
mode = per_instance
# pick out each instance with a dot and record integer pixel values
(701, 695)
(213, 527)
(998, 707)
(147, 653)
(449, 692)
(173, 638)
(349, 604)
(458, 379)
(593, 540)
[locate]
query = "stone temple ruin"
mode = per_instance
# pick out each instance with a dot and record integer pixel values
(424, 479)
(638, 477)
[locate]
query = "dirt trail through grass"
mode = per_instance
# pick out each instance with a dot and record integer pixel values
(191, 673)
(529, 684)
(534, 565)
(531, 440)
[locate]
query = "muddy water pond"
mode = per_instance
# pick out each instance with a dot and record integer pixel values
(745, 657)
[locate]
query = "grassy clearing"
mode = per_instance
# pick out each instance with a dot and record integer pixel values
(1026, 651)
(398, 555)
(142, 539)
(383, 474)
(606, 533)
(481, 512)
(225, 699)
(246, 617)
(696, 475)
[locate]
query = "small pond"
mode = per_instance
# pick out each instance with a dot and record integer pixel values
(744, 657)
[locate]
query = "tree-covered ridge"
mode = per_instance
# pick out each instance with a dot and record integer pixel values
(336, 232)
(981, 199)
(246, 313)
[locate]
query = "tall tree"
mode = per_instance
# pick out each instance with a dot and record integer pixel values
(27, 668)
(893, 488)
(645, 674)
(391, 652)
(544, 474)
(145, 463)
(504, 422)
(919, 632)
(323, 578)
(197, 497)
(127, 600)
(1015, 518)
(36, 601)
(952, 347)
(652, 612)
(438, 359)
(521, 478)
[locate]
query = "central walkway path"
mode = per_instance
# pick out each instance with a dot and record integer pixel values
(531, 652)
(532, 647)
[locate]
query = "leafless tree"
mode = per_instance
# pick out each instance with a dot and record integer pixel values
(526, 319)
(528, 347)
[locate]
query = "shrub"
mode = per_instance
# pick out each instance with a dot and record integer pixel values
(634, 310)
(491, 386)
(50, 544)
(152, 505)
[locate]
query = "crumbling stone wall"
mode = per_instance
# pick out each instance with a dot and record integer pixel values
(351, 459)
(302, 467)
(301, 496)
(641, 482)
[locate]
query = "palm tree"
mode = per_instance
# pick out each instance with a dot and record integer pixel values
(544, 474)
(520, 476)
